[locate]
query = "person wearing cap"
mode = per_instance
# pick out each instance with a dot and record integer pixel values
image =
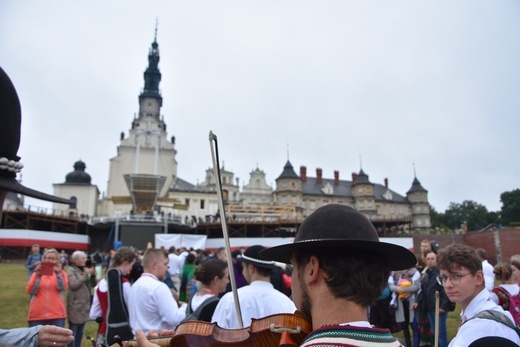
(340, 268)
(10, 166)
(258, 299)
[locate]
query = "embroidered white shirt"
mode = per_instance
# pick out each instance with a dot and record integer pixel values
(257, 300)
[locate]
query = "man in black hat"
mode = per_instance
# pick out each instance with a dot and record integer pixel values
(340, 268)
(258, 299)
(10, 122)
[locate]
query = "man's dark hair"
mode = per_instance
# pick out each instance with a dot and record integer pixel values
(481, 253)
(358, 276)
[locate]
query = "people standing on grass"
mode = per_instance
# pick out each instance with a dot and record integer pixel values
(78, 296)
(114, 311)
(64, 259)
(47, 289)
(153, 306)
(33, 259)
(257, 299)
(426, 299)
(405, 284)
(508, 284)
(212, 276)
(186, 277)
(487, 268)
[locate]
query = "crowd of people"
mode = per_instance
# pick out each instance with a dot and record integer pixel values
(143, 292)
(340, 268)
(152, 290)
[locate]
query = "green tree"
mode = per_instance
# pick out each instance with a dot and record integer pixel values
(438, 219)
(510, 211)
(475, 214)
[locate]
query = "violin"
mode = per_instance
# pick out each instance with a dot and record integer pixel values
(270, 331)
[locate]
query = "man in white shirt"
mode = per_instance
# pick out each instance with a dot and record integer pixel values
(153, 306)
(175, 264)
(487, 268)
(463, 280)
(258, 299)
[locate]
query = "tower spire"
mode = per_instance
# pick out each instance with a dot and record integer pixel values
(152, 75)
(156, 25)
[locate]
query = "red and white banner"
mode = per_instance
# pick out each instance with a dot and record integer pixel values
(46, 239)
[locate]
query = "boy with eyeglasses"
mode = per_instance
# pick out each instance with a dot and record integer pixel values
(463, 280)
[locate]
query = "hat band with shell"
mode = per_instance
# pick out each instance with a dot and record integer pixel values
(254, 260)
(10, 165)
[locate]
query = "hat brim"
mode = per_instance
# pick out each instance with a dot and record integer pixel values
(12, 185)
(255, 263)
(397, 257)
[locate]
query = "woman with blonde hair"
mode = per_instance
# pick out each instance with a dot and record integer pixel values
(111, 297)
(46, 287)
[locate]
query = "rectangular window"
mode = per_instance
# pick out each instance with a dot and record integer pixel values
(187, 202)
(313, 205)
(294, 200)
(201, 204)
(284, 200)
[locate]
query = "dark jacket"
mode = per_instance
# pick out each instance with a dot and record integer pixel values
(429, 285)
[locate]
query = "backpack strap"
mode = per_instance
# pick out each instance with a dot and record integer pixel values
(497, 317)
(196, 314)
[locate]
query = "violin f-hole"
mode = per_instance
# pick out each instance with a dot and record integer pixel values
(289, 330)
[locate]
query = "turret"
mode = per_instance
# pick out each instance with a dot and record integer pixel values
(418, 197)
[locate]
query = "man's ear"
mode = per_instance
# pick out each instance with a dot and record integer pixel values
(312, 270)
(479, 276)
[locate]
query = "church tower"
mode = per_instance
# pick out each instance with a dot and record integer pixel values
(145, 166)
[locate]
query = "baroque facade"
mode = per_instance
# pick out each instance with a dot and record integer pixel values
(143, 181)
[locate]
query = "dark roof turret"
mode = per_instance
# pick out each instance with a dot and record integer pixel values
(78, 176)
(362, 178)
(416, 187)
(288, 172)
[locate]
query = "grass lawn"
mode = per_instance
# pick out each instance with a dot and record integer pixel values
(15, 304)
(452, 324)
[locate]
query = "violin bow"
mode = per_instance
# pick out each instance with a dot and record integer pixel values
(223, 221)
(436, 331)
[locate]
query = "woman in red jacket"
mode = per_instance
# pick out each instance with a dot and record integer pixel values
(47, 286)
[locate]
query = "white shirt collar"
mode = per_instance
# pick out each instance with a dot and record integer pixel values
(475, 306)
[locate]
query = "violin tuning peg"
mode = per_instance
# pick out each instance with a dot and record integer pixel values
(286, 340)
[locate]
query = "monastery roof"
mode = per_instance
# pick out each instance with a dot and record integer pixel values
(181, 185)
(344, 189)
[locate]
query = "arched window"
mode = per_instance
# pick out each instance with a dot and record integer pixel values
(74, 202)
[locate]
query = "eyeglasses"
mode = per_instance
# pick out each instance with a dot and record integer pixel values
(454, 279)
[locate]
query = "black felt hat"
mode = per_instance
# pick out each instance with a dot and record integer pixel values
(252, 256)
(341, 227)
(10, 122)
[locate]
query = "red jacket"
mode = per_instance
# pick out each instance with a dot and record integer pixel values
(47, 302)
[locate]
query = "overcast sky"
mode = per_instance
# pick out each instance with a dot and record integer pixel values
(397, 83)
